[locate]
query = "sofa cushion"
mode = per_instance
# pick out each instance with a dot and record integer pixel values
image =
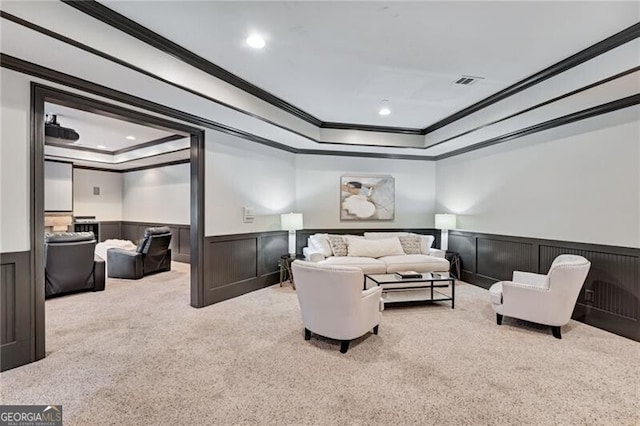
(411, 244)
(320, 243)
(415, 262)
(338, 245)
(360, 247)
(367, 264)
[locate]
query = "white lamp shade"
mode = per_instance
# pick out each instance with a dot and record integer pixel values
(445, 221)
(291, 221)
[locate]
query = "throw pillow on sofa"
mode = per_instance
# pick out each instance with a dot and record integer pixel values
(338, 245)
(360, 247)
(320, 242)
(411, 244)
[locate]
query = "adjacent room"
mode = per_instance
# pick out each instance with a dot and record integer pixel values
(291, 213)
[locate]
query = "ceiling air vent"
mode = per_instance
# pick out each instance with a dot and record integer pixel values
(54, 132)
(467, 80)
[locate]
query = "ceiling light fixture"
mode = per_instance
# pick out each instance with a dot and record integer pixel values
(131, 138)
(256, 41)
(384, 108)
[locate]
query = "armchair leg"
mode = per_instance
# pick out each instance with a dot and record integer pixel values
(556, 332)
(499, 319)
(375, 329)
(344, 346)
(307, 334)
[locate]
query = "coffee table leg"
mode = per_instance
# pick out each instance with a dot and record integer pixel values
(453, 293)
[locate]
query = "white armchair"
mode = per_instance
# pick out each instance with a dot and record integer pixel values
(333, 303)
(543, 299)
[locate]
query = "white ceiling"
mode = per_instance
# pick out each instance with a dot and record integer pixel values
(338, 60)
(97, 129)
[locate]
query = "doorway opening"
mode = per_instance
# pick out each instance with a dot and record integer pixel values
(177, 143)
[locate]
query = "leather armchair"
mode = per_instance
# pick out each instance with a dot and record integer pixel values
(152, 255)
(333, 303)
(71, 264)
(543, 299)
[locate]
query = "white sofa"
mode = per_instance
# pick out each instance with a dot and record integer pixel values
(379, 252)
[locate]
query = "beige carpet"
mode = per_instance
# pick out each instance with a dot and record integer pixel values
(139, 354)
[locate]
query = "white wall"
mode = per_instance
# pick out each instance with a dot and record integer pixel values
(15, 216)
(160, 195)
(580, 182)
(106, 206)
(241, 174)
(318, 190)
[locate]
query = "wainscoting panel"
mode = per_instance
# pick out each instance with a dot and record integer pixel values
(110, 230)
(272, 247)
(498, 258)
(16, 310)
(610, 297)
(237, 264)
(466, 246)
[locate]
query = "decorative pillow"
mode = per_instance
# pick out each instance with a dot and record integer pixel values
(338, 245)
(320, 242)
(374, 248)
(411, 244)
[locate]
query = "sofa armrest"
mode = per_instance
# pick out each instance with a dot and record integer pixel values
(311, 255)
(99, 277)
(437, 252)
(124, 264)
(374, 293)
(529, 278)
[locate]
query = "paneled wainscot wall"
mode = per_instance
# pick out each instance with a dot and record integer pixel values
(240, 263)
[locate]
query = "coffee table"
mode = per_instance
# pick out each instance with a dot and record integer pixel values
(428, 288)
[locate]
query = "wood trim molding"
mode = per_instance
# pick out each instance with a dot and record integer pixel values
(154, 142)
(599, 48)
(116, 20)
(128, 26)
(29, 68)
(133, 169)
(550, 124)
(609, 43)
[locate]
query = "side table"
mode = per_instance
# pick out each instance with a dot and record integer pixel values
(454, 259)
(285, 269)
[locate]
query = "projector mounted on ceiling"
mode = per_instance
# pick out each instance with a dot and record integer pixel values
(54, 132)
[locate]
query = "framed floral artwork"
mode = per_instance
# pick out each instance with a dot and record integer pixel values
(367, 197)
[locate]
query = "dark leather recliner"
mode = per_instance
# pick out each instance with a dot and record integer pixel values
(71, 264)
(152, 255)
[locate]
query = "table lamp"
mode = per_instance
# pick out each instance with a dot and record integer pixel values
(444, 222)
(291, 222)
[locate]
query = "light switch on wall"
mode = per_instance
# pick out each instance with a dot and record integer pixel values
(248, 214)
(96, 190)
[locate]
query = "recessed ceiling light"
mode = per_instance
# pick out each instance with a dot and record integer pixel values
(101, 147)
(384, 108)
(131, 138)
(256, 41)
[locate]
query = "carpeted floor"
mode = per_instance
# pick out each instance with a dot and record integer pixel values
(137, 353)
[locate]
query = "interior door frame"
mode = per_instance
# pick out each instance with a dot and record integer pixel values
(39, 95)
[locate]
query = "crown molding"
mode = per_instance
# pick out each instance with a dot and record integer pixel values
(122, 23)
